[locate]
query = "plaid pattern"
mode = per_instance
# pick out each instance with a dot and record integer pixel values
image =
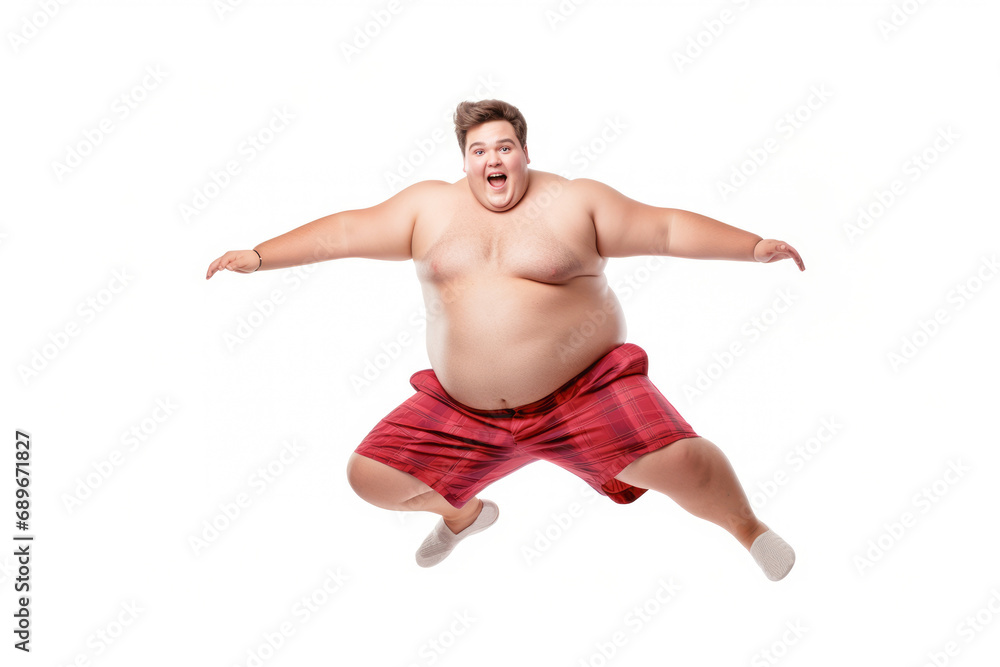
(593, 426)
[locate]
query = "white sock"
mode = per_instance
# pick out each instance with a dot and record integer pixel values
(442, 541)
(773, 555)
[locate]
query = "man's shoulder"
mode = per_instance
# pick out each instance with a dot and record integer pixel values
(548, 176)
(579, 185)
(422, 193)
(576, 187)
(585, 190)
(431, 185)
(587, 185)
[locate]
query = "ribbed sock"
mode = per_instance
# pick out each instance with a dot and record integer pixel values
(773, 555)
(441, 541)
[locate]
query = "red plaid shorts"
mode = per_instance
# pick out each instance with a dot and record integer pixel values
(593, 426)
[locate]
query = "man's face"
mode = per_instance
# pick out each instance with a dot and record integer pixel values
(492, 148)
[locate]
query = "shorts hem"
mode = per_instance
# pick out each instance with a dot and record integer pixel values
(630, 493)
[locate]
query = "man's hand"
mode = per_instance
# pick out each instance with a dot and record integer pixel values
(771, 250)
(241, 261)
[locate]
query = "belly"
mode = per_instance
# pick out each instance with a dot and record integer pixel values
(503, 341)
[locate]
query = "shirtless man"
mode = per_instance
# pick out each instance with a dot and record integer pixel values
(527, 341)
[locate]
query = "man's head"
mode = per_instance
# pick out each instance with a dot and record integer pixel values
(492, 135)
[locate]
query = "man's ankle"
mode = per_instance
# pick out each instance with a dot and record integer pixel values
(466, 517)
(750, 533)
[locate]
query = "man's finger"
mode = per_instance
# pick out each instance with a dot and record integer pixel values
(798, 259)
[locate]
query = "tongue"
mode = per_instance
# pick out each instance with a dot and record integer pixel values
(497, 181)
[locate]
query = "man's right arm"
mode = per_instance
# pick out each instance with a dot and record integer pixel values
(384, 231)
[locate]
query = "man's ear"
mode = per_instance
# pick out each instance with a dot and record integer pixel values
(526, 158)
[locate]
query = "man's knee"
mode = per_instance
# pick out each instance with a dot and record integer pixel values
(693, 458)
(366, 476)
(380, 484)
(357, 473)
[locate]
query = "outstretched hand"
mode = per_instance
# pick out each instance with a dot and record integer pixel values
(241, 261)
(772, 250)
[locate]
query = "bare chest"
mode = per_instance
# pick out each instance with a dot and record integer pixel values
(552, 250)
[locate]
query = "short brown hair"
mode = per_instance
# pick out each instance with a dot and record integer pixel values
(470, 114)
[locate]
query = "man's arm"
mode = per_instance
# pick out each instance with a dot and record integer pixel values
(628, 228)
(384, 231)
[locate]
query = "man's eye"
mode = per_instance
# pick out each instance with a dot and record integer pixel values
(505, 148)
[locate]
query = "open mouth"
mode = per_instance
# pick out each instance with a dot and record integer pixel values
(496, 181)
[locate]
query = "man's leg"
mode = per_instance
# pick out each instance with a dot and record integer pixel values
(696, 475)
(391, 489)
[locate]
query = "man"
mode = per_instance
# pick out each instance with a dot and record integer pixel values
(527, 341)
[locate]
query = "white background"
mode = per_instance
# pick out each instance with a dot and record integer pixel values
(107, 543)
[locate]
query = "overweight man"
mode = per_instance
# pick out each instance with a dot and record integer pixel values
(526, 340)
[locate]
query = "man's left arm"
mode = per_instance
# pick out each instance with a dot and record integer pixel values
(697, 236)
(628, 228)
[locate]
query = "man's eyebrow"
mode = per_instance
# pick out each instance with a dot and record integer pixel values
(505, 140)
